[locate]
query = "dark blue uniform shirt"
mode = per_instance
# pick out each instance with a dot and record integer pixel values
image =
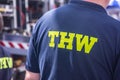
(5, 65)
(78, 41)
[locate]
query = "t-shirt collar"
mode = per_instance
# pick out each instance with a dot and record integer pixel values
(89, 5)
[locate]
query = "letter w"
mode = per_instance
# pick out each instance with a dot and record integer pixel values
(85, 42)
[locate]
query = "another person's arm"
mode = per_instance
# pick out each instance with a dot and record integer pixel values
(32, 76)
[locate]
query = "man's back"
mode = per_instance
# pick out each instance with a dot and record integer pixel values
(5, 65)
(77, 41)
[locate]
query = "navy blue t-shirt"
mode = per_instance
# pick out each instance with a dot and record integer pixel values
(6, 65)
(78, 41)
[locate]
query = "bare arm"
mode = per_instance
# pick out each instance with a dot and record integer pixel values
(32, 76)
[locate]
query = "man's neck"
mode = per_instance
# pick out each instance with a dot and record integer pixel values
(103, 3)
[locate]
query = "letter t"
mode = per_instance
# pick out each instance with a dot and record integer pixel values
(52, 35)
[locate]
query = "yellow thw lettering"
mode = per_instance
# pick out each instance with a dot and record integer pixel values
(52, 35)
(6, 62)
(66, 39)
(84, 41)
(3, 63)
(10, 63)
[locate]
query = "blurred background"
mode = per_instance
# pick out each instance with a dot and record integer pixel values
(18, 18)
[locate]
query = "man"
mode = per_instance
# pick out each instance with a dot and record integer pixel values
(6, 63)
(78, 41)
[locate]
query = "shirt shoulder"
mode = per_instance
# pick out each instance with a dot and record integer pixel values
(113, 22)
(3, 52)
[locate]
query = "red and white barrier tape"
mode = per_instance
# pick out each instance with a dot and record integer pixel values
(11, 44)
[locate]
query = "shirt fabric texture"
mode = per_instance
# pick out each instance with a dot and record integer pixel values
(86, 22)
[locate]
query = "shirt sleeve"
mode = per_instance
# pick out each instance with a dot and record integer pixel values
(32, 60)
(32, 63)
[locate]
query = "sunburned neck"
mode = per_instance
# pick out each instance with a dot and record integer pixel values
(103, 3)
